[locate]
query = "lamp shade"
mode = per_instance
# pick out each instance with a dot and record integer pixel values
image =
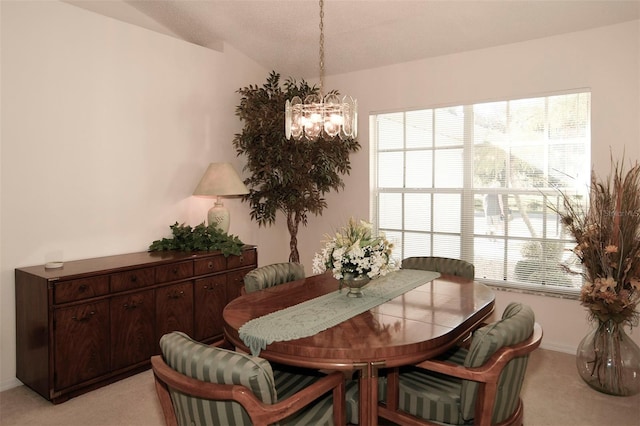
(218, 180)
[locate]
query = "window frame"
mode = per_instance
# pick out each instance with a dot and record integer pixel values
(468, 193)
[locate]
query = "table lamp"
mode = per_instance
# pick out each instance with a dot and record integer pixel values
(219, 180)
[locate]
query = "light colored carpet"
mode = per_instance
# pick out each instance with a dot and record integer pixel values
(553, 394)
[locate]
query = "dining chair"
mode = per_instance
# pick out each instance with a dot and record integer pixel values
(479, 384)
(443, 265)
(206, 385)
(272, 275)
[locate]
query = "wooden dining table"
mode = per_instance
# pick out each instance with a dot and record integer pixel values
(418, 325)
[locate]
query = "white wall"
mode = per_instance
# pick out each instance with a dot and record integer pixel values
(106, 130)
(606, 60)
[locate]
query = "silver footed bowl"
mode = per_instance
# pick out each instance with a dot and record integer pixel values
(354, 283)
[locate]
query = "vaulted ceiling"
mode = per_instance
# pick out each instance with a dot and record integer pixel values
(283, 34)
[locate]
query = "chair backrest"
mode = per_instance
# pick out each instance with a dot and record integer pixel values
(516, 326)
(272, 275)
(444, 265)
(215, 365)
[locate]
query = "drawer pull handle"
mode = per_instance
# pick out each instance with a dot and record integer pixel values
(176, 295)
(210, 265)
(175, 270)
(242, 260)
(134, 278)
(83, 287)
(133, 305)
(87, 317)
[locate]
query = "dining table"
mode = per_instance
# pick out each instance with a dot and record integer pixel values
(435, 313)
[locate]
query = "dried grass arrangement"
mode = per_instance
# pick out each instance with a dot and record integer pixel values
(607, 235)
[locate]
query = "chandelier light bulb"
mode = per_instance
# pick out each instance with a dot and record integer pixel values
(337, 120)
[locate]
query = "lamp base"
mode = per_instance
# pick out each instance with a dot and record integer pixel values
(219, 215)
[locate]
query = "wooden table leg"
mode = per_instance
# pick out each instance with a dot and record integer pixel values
(364, 390)
(373, 389)
(368, 387)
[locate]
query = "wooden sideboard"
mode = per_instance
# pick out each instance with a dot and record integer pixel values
(95, 321)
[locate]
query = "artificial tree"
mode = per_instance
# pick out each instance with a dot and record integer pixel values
(286, 175)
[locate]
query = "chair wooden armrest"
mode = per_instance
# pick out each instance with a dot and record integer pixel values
(491, 369)
(223, 343)
(259, 412)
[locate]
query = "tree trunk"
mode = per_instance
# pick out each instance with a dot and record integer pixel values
(293, 220)
(525, 216)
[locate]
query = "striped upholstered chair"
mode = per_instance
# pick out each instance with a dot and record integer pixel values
(205, 385)
(272, 275)
(444, 265)
(478, 385)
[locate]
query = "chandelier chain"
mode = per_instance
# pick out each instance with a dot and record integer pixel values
(321, 47)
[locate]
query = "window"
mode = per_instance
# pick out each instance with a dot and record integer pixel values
(475, 182)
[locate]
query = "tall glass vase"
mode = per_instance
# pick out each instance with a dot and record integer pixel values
(609, 361)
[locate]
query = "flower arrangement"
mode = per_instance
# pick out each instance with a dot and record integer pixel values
(607, 235)
(354, 250)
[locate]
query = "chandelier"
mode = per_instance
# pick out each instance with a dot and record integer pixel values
(320, 115)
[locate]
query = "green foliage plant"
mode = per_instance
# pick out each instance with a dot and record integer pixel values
(286, 175)
(199, 238)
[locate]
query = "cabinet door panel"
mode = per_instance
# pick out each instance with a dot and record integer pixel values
(174, 310)
(235, 282)
(81, 343)
(132, 331)
(210, 300)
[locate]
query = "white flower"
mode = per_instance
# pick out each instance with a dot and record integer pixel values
(353, 249)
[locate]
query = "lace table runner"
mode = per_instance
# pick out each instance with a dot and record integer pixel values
(315, 315)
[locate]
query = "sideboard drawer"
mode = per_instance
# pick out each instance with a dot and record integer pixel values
(174, 272)
(247, 258)
(133, 279)
(210, 264)
(69, 291)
